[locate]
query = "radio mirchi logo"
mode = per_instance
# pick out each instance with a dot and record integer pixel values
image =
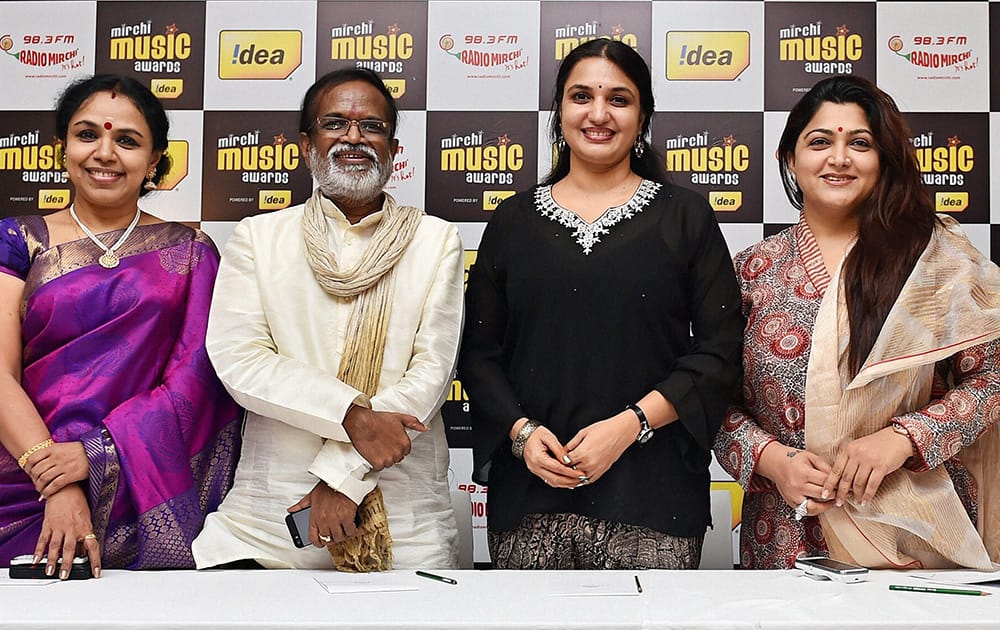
(44, 50)
(820, 51)
(259, 54)
(494, 56)
(937, 53)
(707, 55)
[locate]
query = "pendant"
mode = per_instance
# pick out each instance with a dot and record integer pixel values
(108, 260)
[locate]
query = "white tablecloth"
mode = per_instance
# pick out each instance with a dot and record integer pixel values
(485, 599)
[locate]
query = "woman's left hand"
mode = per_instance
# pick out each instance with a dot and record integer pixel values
(53, 468)
(596, 447)
(861, 467)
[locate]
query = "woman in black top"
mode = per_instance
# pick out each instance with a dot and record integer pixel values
(602, 341)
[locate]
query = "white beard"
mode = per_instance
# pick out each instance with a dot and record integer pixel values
(354, 184)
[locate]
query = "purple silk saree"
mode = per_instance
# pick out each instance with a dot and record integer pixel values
(116, 358)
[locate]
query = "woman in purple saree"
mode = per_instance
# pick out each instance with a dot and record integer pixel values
(112, 412)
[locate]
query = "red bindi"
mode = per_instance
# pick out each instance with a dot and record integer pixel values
(107, 126)
(840, 128)
(114, 95)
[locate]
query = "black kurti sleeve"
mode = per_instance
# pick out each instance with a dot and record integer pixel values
(481, 366)
(702, 382)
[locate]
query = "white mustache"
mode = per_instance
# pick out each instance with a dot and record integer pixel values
(347, 147)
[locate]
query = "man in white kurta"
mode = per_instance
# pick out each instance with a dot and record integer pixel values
(276, 339)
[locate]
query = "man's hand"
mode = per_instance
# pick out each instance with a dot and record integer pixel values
(380, 436)
(332, 515)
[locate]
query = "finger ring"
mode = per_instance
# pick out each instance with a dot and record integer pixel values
(584, 479)
(325, 539)
(90, 536)
(802, 510)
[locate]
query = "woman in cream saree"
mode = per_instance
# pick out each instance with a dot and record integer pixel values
(867, 426)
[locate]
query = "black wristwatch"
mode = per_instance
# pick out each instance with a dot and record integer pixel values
(645, 431)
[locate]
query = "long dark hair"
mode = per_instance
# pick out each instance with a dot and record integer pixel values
(80, 91)
(894, 223)
(649, 166)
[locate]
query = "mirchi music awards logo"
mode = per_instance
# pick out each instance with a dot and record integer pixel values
(475, 160)
(252, 164)
(389, 38)
(832, 53)
(566, 25)
(713, 154)
(952, 164)
(32, 177)
(810, 41)
(160, 44)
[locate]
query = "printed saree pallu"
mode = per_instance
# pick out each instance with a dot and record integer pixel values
(916, 520)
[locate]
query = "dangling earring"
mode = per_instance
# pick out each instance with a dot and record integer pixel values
(150, 184)
(560, 143)
(639, 147)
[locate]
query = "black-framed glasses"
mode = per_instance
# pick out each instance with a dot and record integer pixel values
(335, 126)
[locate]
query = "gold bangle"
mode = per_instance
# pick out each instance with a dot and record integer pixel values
(23, 459)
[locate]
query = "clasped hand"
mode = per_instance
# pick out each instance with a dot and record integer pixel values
(52, 469)
(585, 458)
(863, 464)
(857, 473)
(380, 436)
(797, 474)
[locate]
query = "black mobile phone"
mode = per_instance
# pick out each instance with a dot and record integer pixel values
(22, 567)
(298, 527)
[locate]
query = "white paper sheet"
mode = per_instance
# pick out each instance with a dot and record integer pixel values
(604, 584)
(961, 577)
(367, 583)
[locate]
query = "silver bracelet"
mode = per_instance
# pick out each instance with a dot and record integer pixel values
(517, 447)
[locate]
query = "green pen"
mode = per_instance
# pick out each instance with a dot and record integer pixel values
(935, 589)
(439, 578)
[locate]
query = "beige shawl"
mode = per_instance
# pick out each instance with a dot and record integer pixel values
(369, 284)
(950, 302)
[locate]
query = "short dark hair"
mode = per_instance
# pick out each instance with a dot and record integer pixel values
(81, 90)
(649, 166)
(310, 102)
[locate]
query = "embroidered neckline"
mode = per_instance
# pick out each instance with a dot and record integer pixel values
(587, 235)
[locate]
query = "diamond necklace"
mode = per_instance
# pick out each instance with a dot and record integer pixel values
(109, 259)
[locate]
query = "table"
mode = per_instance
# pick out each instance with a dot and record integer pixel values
(487, 599)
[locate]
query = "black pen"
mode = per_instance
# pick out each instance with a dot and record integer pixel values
(439, 578)
(638, 586)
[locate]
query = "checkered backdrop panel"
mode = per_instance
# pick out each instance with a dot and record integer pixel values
(474, 82)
